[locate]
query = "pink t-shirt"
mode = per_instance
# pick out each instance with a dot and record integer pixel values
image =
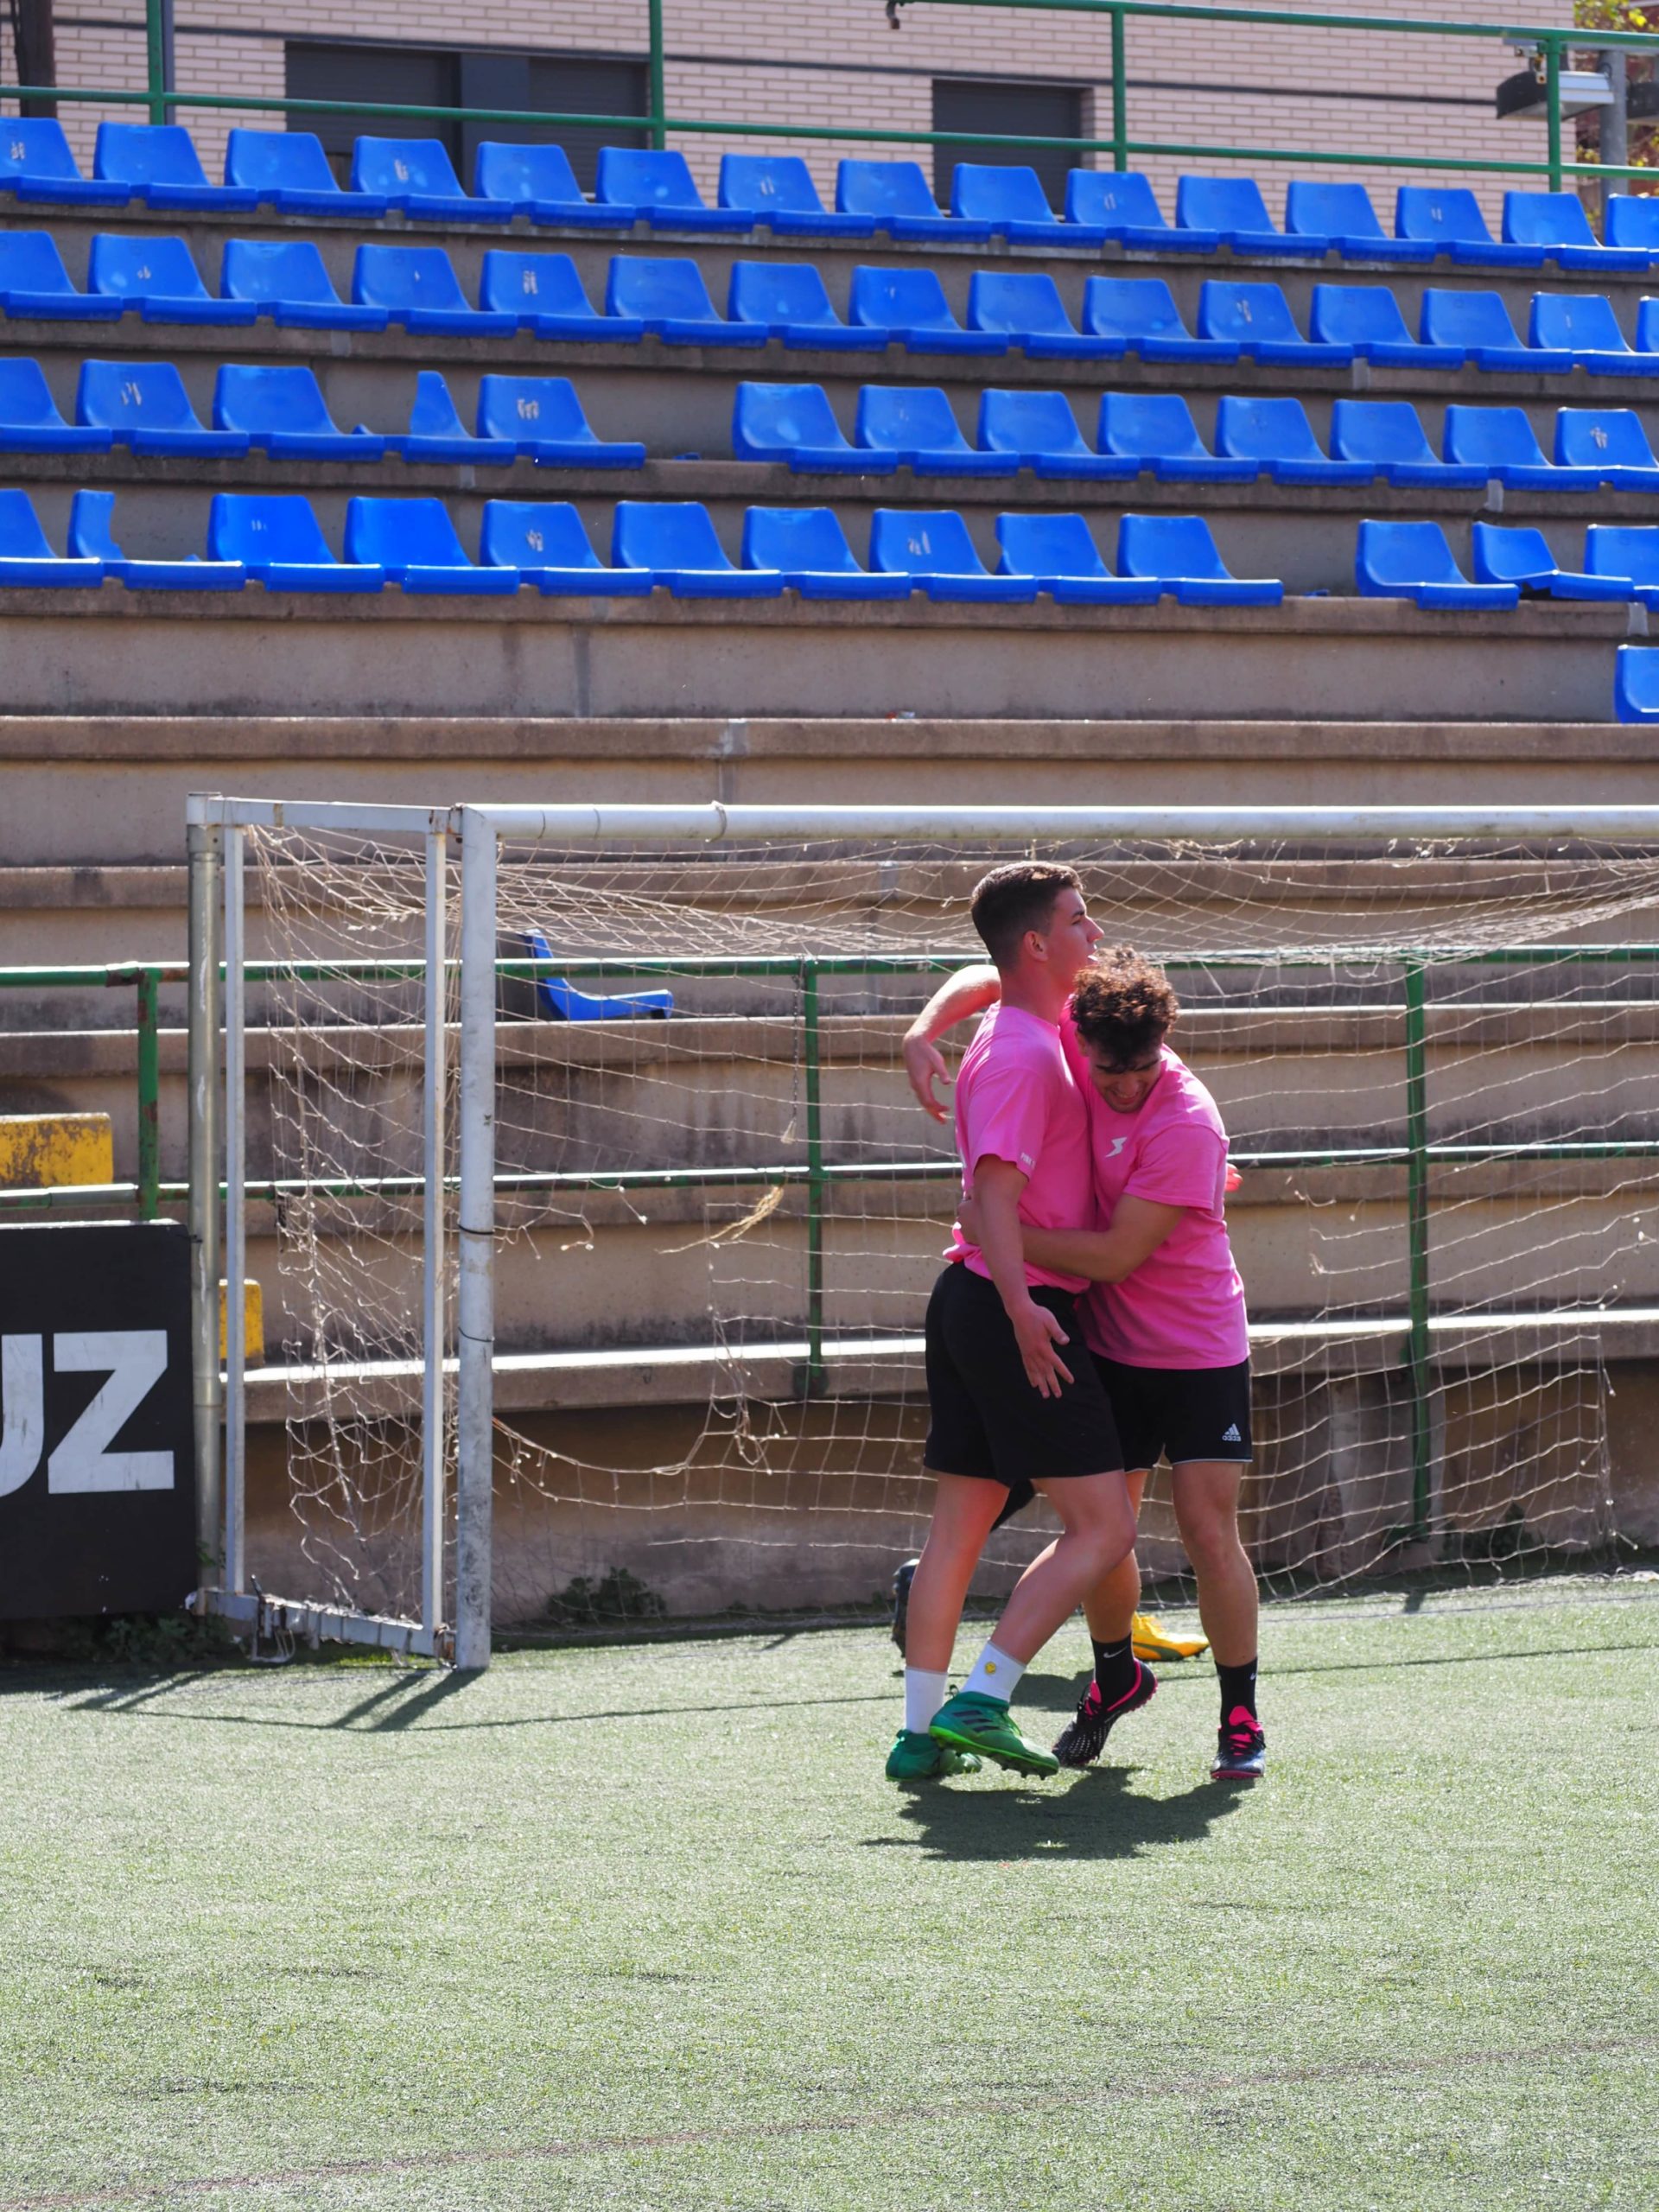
(1183, 1307)
(1018, 1099)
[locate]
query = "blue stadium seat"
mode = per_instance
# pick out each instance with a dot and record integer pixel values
(1180, 552)
(1277, 436)
(1479, 322)
(1256, 318)
(1012, 200)
(1629, 553)
(896, 197)
(1500, 440)
(285, 279)
(787, 300)
(29, 420)
(145, 406)
(537, 181)
(36, 164)
(914, 424)
(158, 162)
(1647, 325)
(278, 540)
(158, 277)
(795, 423)
(1024, 306)
(544, 540)
(35, 284)
(1388, 434)
(1583, 324)
(25, 556)
(91, 539)
(1612, 442)
(671, 300)
(414, 541)
(436, 433)
(1632, 222)
(1449, 215)
(417, 175)
(283, 413)
(909, 304)
(676, 540)
(1342, 215)
(660, 187)
(1157, 430)
(1636, 683)
(1367, 317)
(1412, 560)
(542, 418)
(558, 999)
(1522, 557)
(808, 548)
(1058, 552)
(288, 170)
(543, 293)
(1138, 315)
(1556, 222)
(1233, 208)
(934, 549)
(1041, 431)
(417, 287)
(1122, 205)
(777, 189)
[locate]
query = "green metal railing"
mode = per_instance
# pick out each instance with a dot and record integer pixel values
(1552, 42)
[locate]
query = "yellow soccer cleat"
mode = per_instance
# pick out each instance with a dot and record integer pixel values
(1150, 1640)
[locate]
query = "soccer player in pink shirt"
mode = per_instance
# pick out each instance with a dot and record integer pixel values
(1163, 1317)
(1012, 1394)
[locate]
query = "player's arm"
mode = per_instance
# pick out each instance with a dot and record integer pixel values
(970, 991)
(997, 1186)
(1139, 1227)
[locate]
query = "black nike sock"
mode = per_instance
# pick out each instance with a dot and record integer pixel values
(1114, 1669)
(1238, 1687)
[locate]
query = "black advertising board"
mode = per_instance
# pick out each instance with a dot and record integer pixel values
(97, 1465)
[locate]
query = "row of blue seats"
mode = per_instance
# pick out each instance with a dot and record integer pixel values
(1413, 560)
(159, 165)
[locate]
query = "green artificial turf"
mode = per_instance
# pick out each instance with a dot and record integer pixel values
(644, 1927)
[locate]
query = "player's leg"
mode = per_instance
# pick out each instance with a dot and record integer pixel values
(1120, 1683)
(1018, 1497)
(965, 1509)
(1210, 1449)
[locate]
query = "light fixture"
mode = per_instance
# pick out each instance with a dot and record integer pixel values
(1524, 94)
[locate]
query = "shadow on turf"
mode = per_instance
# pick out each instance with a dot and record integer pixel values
(1096, 1816)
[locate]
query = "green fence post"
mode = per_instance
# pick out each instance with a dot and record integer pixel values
(150, 1095)
(1417, 1349)
(814, 1182)
(156, 68)
(658, 98)
(1120, 97)
(1553, 108)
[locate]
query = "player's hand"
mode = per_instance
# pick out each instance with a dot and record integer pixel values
(1038, 1335)
(925, 1065)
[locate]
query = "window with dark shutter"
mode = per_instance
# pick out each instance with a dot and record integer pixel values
(1007, 106)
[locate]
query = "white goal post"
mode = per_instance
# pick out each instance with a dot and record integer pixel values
(472, 835)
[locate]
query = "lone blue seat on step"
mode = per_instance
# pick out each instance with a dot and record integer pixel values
(670, 298)
(1501, 441)
(1479, 322)
(30, 420)
(1122, 205)
(36, 164)
(436, 433)
(1233, 208)
(895, 195)
(1276, 435)
(1522, 557)
(1157, 431)
(1636, 683)
(1180, 552)
(417, 287)
(91, 539)
(1632, 221)
(795, 423)
(1041, 431)
(544, 540)
(1612, 442)
(414, 541)
(1026, 307)
(1388, 434)
(1256, 318)
(145, 405)
(1138, 315)
(1412, 560)
(26, 557)
(1058, 552)
(777, 189)
(915, 423)
(542, 292)
(808, 548)
(417, 175)
(1556, 222)
(35, 284)
(278, 540)
(537, 181)
(676, 540)
(542, 418)
(934, 549)
(787, 300)
(1647, 325)
(560, 1001)
(1367, 319)
(1012, 200)
(1628, 551)
(286, 279)
(288, 170)
(1449, 217)
(283, 413)
(1342, 215)
(659, 185)
(159, 162)
(1584, 325)
(158, 277)
(909, 305)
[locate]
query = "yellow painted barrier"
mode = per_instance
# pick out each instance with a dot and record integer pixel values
(41, 1152)
(253, 1322)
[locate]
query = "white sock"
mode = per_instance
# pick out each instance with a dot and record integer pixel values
(924, 1695)
(994, 1675)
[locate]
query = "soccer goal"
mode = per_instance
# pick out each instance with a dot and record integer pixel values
(573, 1147)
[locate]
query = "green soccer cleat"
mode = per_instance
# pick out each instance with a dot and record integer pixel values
(971, 1723)
(916, 1757)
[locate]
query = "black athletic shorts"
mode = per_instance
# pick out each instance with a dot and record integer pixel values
(1179, 1413)
(987, 1420)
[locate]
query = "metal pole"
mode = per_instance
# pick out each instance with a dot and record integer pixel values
(1120, 96)
(157, 74)
(236, 1226)
(475, 1301)
(658, 98)
(1417, 1347)
(150, 1104)
(815, 1181)
(1553, 108)
(204, 850)
(1613, 151)
(432, 1304)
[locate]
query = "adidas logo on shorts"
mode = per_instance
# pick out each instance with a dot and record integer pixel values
(1230, 1435)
